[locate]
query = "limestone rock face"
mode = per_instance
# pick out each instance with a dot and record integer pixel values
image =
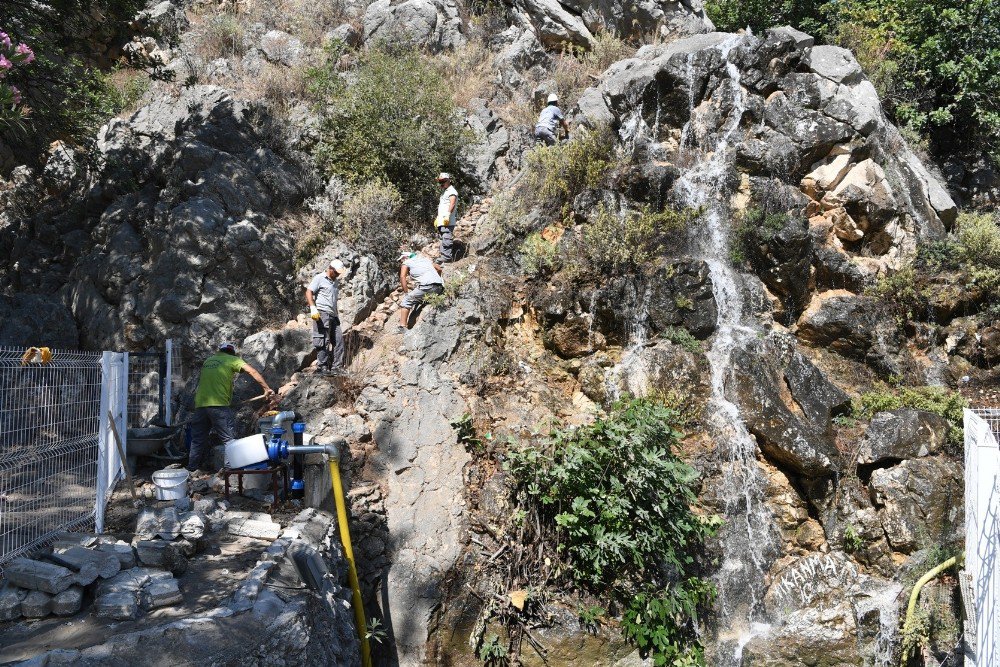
(169, 234)
(787, 403)
(921, 502)
(856, 327)
(903, 434)
(578, 21)
(35, 320)
(434, 24)
(809, 114)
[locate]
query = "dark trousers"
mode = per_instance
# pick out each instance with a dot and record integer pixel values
(221, 419)
(326, 331)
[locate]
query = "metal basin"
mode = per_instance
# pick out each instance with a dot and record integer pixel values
(148, 441)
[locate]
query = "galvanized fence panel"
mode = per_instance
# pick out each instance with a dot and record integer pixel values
(982, 536)
(50, 421)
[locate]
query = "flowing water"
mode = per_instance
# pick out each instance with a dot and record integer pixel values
(749, 539)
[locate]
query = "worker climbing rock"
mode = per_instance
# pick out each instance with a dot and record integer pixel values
(445, 221)
(426, 274)
(212, 399)
(321, 295)
(549, 121)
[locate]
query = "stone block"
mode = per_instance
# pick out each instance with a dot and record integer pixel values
(10, 602)
(38, 576)
(259, 530)
(68, 602)
(76, 557)
(122, 551)
(161, 594)
(192, 525)
(119, 606)
(36, 605)
(159, 553)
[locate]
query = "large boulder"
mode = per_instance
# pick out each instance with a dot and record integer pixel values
(787, 403)
(170, 230)
(278, 353)
(903, 434)
(432, 24)
(921, 502)
(825, 611)
(799, 105)
(856, 327)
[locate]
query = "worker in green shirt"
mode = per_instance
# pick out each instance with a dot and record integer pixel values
(211, 400)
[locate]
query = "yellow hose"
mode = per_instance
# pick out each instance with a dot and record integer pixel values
(352, 573)
(915, 594)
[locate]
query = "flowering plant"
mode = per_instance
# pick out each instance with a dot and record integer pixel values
(10, 57)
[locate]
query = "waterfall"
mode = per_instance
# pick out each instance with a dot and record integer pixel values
(749, 539)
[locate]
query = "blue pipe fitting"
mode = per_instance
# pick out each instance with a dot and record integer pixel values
(299, 427)
(277, 449)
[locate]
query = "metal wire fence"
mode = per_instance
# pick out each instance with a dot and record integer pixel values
(50, 419)
(981, 577)
(146, 379)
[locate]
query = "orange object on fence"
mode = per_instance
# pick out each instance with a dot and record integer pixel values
(38, 355)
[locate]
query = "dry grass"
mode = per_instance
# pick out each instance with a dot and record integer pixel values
(468, 71)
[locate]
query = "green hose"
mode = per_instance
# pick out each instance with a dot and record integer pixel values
(915, 593)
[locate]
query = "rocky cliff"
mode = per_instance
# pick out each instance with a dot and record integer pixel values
(798, 197)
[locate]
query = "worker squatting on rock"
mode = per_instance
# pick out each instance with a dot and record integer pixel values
(321, 295)
(445, 221)
(212, 399)
(549, 121)
(427, 275)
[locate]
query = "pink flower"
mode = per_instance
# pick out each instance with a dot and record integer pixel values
(5, 40)
(17, 94)
(24, 50)
(4, 63)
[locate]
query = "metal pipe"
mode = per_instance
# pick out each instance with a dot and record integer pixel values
(287, 415)
(332, 450)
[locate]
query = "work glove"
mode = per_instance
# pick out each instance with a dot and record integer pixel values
(314, 312)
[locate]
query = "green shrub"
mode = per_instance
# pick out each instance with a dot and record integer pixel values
(223, 36)
(555, 175)
(538, 256)
(615, 242)
(68, 98)
(615, 504)
(939, 400)
(755, 227)
(368, 221)
(396, 123)
(683, 337)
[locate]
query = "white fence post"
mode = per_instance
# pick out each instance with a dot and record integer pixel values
(103, 442)
(168, 385)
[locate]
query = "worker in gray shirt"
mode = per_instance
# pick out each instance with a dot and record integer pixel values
(321, 295)
(549, 121)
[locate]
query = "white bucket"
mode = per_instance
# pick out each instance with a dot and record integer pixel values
(246, 451)
(171, 484)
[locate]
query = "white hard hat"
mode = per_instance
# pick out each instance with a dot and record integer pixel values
(552, 98)
(226, 346)
(338, 266)
(444, 176)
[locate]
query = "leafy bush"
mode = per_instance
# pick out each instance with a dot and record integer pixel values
(967, 261)
(396, 123)
(615, 501)
(755, 227)
(683, 337)
(555, 175)
(939, 400)
(65, 96)
(368, 217)
(614, 242)
(11, 56)
(539, 256)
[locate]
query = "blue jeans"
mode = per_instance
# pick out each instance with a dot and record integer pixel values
(222, 419)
